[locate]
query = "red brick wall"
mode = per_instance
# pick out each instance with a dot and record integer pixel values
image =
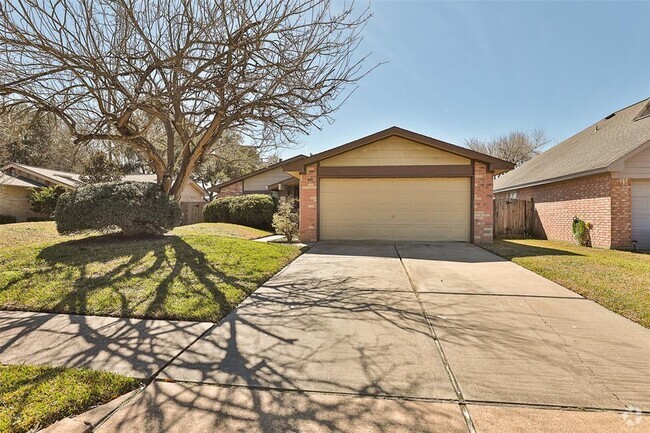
(621, 199)
(236, 188)
(309, 204)
(598, 199)
(483, 205)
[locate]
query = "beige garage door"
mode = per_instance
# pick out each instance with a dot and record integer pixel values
(641, 213)
(422, 209)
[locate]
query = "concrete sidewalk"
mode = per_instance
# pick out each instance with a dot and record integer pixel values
(132, 347)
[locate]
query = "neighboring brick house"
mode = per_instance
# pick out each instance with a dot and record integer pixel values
(271, 179)
(17, 179)
(601, 174)
(397, 185)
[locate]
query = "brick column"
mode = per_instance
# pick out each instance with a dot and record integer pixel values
(309, 204)
(483, 205)
(236, 188)
(621, 209)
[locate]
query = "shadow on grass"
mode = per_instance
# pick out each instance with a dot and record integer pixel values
(160, 261)
(512, 250)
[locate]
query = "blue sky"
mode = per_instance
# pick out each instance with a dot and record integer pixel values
(476, 69)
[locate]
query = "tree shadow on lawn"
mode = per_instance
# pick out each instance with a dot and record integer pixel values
(144, 271)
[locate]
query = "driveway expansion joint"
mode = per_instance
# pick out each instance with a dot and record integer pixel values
(452, 377)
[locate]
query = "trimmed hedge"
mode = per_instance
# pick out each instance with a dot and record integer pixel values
(7, 219)
(137, 208)
(253, 210)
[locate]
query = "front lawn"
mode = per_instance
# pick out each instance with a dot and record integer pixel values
(222, 229)
(193, 273)
(32, 396)
(618, 280)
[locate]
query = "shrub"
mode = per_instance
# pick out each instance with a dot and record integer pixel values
(254, 210)
(38, 219)
(43, 200)
(137, 208)
(581, 231)
(218, 210)
(286, 219)
(7, 219)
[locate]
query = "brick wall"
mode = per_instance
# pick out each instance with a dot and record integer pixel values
(599, 199)
(483, 205)
(621, 199)
(236, 188)
(309, 204)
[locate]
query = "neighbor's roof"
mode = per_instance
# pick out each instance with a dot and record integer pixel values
(590, 151)
(216, 188)
(8, 180)
(494, 163)
(58, 176)
(73, 179)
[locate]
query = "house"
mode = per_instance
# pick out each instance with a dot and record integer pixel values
(264, 181)
(396, 185)
(16, 179)
(601, 175)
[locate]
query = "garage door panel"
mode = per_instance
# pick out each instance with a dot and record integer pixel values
(641, 213)
(427, 209)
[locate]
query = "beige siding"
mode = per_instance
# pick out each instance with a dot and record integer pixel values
(13, 201)
(262, 180)
(421, 209)
(191, 194)
(637, 166)
(394, 151)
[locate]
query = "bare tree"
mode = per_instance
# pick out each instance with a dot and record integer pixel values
(115, 70)
(516, 146)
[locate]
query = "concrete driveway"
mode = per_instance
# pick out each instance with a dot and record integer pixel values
(404, 338)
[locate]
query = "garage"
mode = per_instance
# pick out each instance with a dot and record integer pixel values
(416, 209)
(641, 213)
(397, 185)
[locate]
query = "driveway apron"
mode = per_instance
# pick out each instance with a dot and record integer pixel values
(406, 337)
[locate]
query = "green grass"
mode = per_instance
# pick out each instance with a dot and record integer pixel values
(221, 229)
(33, 396)
(185, 275)
(617, 280)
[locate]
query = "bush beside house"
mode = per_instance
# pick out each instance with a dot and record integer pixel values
(43, 200)
(7, 219)
(286, 219)
(254, 210)
(137, 208)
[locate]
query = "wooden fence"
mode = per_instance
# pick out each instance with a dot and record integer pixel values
(513, 217)
(192, 212)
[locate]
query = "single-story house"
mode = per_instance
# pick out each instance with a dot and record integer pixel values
(395, 185)
(601, 175)
(271, 179)
(17, 178)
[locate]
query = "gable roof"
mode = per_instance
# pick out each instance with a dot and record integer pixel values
(495, 164)
(59, 177)
(217, 187)
(8, 180)
(591, 151)
(72, 180)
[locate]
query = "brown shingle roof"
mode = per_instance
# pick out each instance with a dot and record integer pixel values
(217, 188)
(9, 180)
(590, 151)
